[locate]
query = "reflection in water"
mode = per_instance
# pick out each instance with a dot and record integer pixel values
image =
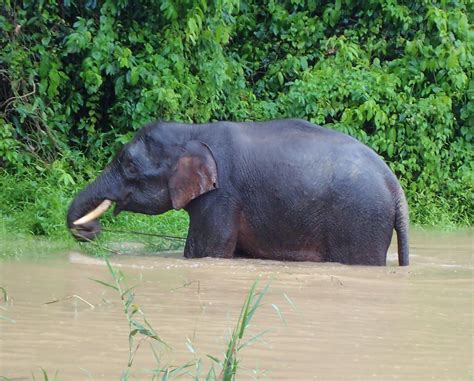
(339, 322)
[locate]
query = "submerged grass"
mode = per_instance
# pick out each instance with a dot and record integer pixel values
(5, 301)
(45, 376)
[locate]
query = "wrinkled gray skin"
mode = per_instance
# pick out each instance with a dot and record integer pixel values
(284, 190)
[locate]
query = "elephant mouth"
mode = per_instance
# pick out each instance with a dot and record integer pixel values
(86, 228)
(86, 232)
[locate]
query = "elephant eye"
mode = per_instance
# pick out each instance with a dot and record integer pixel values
(130, 169)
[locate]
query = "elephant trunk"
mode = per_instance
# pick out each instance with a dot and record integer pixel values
(88, 200)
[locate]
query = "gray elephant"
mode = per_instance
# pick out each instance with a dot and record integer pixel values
(283, 190)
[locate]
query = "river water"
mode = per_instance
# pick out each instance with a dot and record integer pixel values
(324, 321)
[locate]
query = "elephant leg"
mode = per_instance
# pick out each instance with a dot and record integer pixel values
(212, 231)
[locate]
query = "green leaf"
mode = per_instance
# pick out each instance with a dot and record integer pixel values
(390, 150)
(134, 76)
(104, 283)
(281, 80)
(452, 61)
(6, 318)
(215, 359)
(392, 134)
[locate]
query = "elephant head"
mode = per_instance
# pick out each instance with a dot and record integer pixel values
(162, 168)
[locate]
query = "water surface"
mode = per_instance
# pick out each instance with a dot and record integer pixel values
(335, 322)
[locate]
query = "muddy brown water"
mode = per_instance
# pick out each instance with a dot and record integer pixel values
(334, 322)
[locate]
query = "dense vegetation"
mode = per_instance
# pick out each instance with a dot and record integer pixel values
(77, 78)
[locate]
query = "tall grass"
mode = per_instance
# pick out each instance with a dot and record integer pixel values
(140, 329)
(235, 345)
(35, 203)
(138, 325)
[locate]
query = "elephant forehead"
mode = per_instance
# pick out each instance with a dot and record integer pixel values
(136, 151)
(135, 147)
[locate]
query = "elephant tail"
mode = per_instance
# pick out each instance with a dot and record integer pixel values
(401, 226)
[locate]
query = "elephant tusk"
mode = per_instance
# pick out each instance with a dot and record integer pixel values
(97, 212)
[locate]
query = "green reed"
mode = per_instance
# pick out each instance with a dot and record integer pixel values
(140, 329)
(45, 377)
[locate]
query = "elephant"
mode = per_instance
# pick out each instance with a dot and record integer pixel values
(284, 190)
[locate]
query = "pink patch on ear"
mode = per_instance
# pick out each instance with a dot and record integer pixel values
(195, 173)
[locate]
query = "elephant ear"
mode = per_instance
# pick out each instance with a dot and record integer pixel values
(195, 173)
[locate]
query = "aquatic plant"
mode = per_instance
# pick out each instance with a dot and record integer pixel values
(140, 329)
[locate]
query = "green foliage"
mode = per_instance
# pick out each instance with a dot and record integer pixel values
(78, 78)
